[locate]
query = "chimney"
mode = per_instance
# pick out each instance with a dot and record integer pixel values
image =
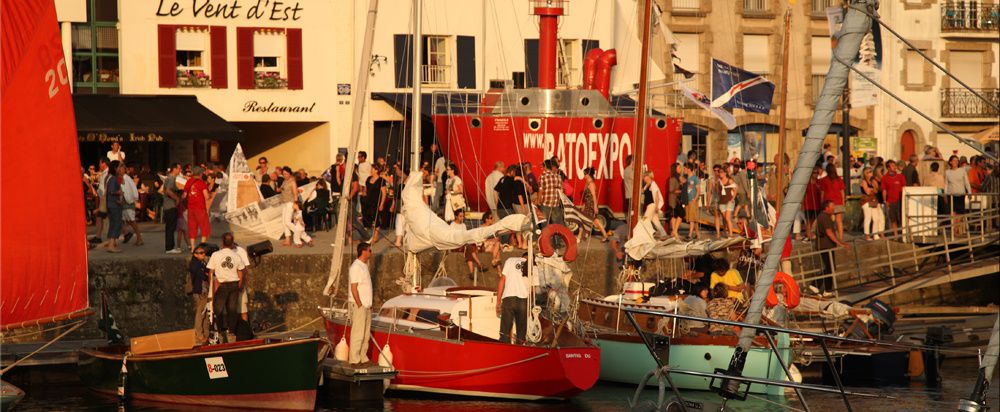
(548, 12)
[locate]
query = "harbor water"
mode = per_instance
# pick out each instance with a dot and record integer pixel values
(959, 376)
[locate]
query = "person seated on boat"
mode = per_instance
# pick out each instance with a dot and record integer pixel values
(695, 304)
(225, 268)
(471, 252)
(721, 307)
(724, 274)
(512, 306)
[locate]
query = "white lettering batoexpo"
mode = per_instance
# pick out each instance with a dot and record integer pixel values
(216, 368)
(605, 152)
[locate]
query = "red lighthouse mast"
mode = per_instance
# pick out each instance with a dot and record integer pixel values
(548, 12)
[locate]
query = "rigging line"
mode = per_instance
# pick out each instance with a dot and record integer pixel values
(265, 333)
(967, 142)
(910, 45)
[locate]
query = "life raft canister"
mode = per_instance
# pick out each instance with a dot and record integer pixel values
(791, 291)
(545, 241)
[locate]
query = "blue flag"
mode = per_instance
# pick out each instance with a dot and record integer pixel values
(735, 88)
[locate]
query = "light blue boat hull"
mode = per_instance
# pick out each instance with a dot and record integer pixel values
(628, 362)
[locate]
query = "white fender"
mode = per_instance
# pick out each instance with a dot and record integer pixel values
(385, 358)
(341, 352)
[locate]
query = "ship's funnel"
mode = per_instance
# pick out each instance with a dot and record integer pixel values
(603, 67)
(548, 12)
(590, 67)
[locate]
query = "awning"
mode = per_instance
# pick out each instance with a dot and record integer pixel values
(147, 119)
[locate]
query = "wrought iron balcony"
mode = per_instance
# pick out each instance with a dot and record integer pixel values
(756, 8)
(968, 17)
(960, 103)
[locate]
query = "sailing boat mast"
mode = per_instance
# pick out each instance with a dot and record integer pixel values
(857, 23)
(640, 118)
(783, 111)
(416, 113)
(357, 118)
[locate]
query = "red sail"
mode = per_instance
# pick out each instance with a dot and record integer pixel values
(43, 250)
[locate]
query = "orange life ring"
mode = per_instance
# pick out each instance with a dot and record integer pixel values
(545, 241)
(791, 291)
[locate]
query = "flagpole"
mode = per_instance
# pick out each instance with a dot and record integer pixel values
(640, 118)
(783, 112)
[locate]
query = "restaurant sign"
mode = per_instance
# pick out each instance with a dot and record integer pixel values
(121, 137)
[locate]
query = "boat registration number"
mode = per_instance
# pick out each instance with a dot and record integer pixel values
(216, 368)
(577, 355)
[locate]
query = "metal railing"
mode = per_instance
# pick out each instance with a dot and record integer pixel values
(963, 103)
(893, 256)
(756, 7)
(963, 17)
(673, 99)
(435, 75)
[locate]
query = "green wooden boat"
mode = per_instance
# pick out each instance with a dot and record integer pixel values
(625, 358)
(257, 374)
(9, 396)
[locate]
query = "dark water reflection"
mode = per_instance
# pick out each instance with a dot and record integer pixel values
(959, 377)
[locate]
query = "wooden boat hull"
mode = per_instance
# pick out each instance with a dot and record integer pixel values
(248, 375)
(10, 395)
(480, 368)
(625, 359)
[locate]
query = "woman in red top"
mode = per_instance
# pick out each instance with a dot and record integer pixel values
(833, 190)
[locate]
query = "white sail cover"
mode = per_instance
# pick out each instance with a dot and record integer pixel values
(425, 230)
(643, 245)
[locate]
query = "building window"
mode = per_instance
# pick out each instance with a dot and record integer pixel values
(819, 7)
(569, 73)
(435, 62)
(820, 64)
(192, 65)
(95, 49)
(688, 6)
(756, 7)
(269, 48)
(914, 69)
(756, 54)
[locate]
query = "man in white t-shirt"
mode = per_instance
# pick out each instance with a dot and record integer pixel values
(364, 170)
(244, 313)
(116, 153)
(491, 182)
(512, 305)
(225, 268)
(361, 306)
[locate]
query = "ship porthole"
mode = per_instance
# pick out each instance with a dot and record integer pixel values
(525, 100)
(534, 124)
(584, 101)
(598, 123)
(708, 356)
(476, 123)
(660, 124)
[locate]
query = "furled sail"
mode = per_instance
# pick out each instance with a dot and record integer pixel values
(425, 230)
(42, 226)
(642, 244)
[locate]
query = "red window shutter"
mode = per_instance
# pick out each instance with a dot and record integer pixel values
(244, 58)
(294, 50)
(220, 75)
(167, 45)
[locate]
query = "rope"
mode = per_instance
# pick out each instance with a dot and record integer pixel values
(76, 326)
(471, 371)
(265, 334)
(20, 335)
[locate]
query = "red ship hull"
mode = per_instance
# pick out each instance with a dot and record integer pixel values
(578, 142)
(481, 368)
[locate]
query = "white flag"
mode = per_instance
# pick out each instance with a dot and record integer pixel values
(701, 100)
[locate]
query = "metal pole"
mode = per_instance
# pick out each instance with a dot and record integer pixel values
(784, 367)
(845, 148)
(836, 375)
(357, 118)
(416, 119)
